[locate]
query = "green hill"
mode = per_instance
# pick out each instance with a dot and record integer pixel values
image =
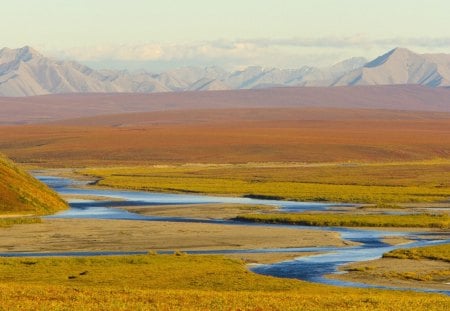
(20, 193)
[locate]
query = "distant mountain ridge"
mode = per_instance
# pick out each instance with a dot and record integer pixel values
(26, 72)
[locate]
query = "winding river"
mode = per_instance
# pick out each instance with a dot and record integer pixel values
(310, 268)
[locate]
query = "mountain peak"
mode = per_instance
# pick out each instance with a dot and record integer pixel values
(401, 50)
(397, 53)
(24, 54)
(27, 52)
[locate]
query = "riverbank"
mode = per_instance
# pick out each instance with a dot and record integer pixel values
(402, 273)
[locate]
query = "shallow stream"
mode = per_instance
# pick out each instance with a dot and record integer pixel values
(309, 268)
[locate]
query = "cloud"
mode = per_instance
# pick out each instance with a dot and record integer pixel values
(221, 53)
(214, 49)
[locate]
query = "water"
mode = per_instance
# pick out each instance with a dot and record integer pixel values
(140, 198)
(309, 268)
(315, 268)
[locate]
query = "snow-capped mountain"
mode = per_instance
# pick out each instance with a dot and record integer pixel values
(402, 66)
(26, 72)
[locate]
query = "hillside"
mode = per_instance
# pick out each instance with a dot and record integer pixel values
(26, 72)
(49, 108)
(20, 193)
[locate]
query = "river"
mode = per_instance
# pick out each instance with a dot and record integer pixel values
(309, 268)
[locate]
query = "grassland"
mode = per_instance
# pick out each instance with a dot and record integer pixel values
(349, 220)
(20, 193)
(438, 252)
(156, 282)
(311, 135)
(381, 183)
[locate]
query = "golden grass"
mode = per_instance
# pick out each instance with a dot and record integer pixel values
(169, 282)
(438, 252)
(11, 221)
(382, 183)
(442, 276)
(20, 193)
(346, 220)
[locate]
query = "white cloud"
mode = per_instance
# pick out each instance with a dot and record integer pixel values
(353, 41)
(214, 49)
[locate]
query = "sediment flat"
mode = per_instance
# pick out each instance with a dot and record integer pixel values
(59, 235)
(205, 211)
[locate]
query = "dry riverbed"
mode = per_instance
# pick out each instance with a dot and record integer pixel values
(59, 235)
(203, 211)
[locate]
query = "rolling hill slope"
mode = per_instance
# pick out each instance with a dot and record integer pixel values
(49, 108)
(20, 193)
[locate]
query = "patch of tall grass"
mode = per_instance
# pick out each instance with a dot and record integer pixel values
(347, 220)
(436, 252)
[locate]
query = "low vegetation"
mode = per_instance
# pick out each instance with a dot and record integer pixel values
(243, 135)
(427, 267)
(10, 221)
(180, 282)
(382, 184)
(20, 193)
(437, 252)
(350, 220)
(442, 276)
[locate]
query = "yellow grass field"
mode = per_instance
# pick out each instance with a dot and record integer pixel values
(179, 282)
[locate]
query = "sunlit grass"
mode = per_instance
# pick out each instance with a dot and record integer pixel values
(346, 220)
(381, 183)
(168, 282)
(10, 221)
(20, 193)
(437, 252)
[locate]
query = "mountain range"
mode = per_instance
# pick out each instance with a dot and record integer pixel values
(26, 72)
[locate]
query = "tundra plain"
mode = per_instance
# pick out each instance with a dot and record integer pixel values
(384, 148)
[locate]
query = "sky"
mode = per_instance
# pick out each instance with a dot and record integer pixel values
(160, 35)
